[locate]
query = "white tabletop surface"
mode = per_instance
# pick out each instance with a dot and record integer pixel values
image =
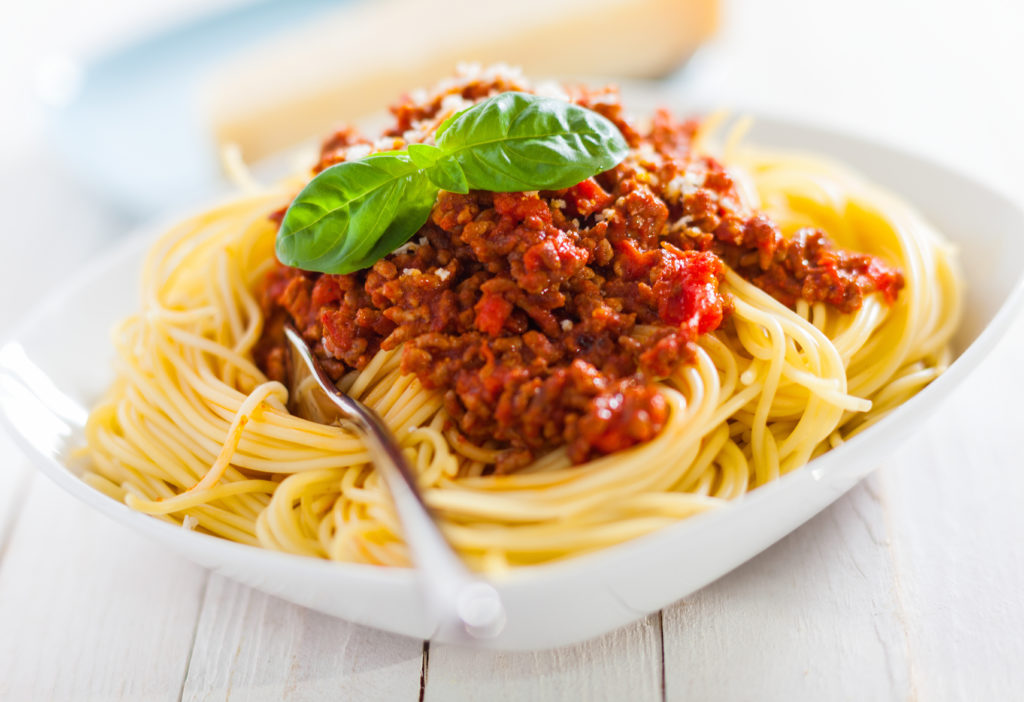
(909, 587)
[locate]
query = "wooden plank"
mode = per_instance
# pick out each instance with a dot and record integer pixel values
(251, 646)
(623, 665)
(955, 509)
(15, 475)
(89, 610)
(815, 617)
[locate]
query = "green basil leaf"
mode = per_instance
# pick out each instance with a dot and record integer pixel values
(448, 175)
(424, 155)
(417, 201)
(347, 216)
(355, 213)
(515, 141)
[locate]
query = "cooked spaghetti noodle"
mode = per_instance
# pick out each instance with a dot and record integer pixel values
(194, 433)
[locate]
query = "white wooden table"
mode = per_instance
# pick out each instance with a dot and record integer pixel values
(909, 587)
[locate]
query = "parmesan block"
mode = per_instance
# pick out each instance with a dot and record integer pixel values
(360, 59)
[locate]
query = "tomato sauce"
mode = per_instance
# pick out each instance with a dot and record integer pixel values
(546, 318)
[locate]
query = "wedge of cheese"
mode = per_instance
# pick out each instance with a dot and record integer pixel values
(360, 59)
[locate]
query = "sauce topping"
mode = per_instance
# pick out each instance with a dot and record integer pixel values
(545, 318)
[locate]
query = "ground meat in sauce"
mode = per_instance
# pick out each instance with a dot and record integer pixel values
(546, 318)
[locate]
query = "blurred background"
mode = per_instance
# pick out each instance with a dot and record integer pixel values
(115, 111)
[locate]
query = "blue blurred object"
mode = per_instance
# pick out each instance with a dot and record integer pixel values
(133, 130)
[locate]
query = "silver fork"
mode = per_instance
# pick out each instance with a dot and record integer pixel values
(461, 600)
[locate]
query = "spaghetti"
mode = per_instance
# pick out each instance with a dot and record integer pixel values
(194, 432)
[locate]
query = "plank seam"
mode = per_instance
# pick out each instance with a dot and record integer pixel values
(195, 633)
(661, 647)
(423, 670)
(20, 496)
(899, 590)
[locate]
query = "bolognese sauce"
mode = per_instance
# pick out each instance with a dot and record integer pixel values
(546, 318)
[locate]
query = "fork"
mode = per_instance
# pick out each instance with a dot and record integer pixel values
(460, 599)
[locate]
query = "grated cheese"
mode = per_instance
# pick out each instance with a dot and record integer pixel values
(407, 247)
(357, 151)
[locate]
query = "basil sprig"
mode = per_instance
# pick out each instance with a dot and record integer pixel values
(356, 212)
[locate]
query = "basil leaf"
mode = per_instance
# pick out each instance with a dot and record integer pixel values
(352, 214)
(448, 175)
(515, 141)
(355, 213)
(416, 202)
(424, 155)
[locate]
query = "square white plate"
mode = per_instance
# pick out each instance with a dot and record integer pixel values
(46, 384)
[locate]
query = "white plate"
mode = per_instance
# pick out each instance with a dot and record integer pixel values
(46, 382)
